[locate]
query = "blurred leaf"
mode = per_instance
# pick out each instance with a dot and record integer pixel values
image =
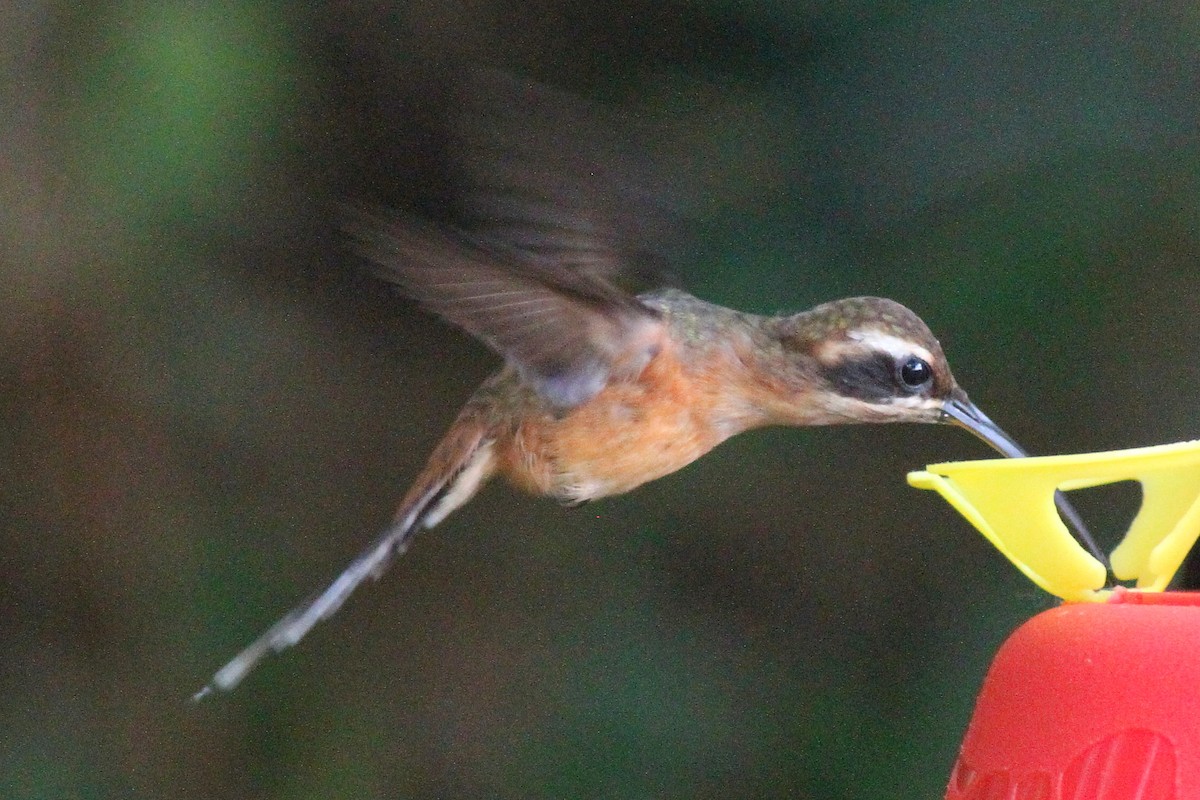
(177, 101)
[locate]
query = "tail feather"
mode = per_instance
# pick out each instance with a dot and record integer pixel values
(458, 467)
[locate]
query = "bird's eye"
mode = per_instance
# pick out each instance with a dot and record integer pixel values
(915, 373)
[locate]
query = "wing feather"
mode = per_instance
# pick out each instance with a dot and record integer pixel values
(567, 331)
(550, 202)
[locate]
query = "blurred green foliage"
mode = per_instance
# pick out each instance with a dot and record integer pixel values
(206, 410)
(175, 104)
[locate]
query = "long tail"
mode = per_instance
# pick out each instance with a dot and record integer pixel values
(459, 466)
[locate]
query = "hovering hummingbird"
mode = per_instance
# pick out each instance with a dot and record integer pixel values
(603, 390)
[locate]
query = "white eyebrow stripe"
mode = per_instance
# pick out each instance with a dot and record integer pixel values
(895, 346)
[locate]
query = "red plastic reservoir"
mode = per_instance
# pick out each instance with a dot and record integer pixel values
(1091, 701)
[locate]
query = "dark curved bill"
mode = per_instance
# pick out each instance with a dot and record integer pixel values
(962, 413)
(966, 414)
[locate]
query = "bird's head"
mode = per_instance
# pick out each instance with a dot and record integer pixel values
(868, 359)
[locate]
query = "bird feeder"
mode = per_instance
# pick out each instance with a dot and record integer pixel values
(1099, 698)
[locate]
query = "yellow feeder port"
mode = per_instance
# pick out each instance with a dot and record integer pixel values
(1011, 502)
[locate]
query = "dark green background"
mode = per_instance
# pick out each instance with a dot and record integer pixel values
(206, 411)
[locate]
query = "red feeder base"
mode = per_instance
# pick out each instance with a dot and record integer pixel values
(1091, 701)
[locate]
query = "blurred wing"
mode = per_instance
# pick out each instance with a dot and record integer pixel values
(558, 181)
(567, 331)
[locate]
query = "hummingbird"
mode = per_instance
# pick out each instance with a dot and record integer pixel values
(603, 390)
